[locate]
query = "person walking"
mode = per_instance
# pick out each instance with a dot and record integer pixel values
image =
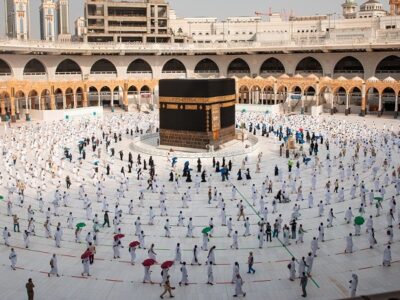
(29, 289)
(167, 289)
(303, 284)
(250, 262)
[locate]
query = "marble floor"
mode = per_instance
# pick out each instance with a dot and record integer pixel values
(118, 279)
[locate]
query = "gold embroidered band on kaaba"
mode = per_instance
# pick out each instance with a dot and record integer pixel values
(196, 100)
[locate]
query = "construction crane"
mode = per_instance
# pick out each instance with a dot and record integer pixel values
(257, 13)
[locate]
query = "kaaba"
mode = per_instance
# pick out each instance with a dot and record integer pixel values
(197, 113)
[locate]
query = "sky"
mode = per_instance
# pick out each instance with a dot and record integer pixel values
(209, 8)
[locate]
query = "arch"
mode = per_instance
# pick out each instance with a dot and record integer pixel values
(45, 100)
(355, 97)
(145, 89)
(132, 90)
(5, 69)
(238, 67)
(348, 65)
(93, 96)
(68, 66)
(139, 66)
(256, 94)
(105, 96)
(33, 99)
(207, 66)
(174, 66)
(117, 96)
(325, 95)
(296, 90)
(372, 97)
(69, 98)
(340, 95)
(103, 66)
(34, 67)
(272, 66)
(59, 98)
(79, 97)
(133, 94)
(20, 100)
(268, 96)
(244, 95)
(389, 65)
(388, 100)
(282, 94)
(309, 65)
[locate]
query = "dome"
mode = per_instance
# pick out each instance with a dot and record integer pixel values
(284, 76)
(298, 76)
(373, 79)
(341, 78)
(357, 79)
(371, 5)
(389, 79)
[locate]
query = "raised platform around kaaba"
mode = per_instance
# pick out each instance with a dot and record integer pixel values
(195, 113)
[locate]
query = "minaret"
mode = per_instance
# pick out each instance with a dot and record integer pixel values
(63, 16)
(394, 7)
(349, 9)
(48, 20)
(17, 19)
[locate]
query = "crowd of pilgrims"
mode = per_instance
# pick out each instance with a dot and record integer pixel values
(45, 167)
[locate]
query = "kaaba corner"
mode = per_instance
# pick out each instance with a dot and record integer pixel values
(197, 113)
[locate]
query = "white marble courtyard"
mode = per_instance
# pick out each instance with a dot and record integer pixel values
(35, 145)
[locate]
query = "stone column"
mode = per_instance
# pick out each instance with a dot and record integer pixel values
(363, 101)
(64, 101)
(17, 107)
(317, 94)
(3, 109)
(75, 100)
(12, 103)
(27, 108)
(85, 98)
(332, 98)
(302, 102)
(52, 101)
(275, 93)
(347, 110)
(125, 97)
(396, 107)
(380, 105)
(98, 98)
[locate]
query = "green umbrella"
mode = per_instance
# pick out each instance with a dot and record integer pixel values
(243, 110)
(206, 230)
(378, 198)
(359, 220)
(1, 197)
(80, 225)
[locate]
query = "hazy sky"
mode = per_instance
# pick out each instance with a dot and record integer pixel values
(209, 8)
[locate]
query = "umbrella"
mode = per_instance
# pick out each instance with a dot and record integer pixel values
(359, 220)
(119, 236)
(1, 197)
(206, 230)
(86, 254)
(167, 264)
(148, 262)
(134, 244)
(243, 110)
(378, 199)
(80, 225)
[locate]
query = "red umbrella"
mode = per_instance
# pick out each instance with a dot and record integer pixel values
(167, 264)
(134, 244)
(119, 236)
(86, 254)
(148, 262)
